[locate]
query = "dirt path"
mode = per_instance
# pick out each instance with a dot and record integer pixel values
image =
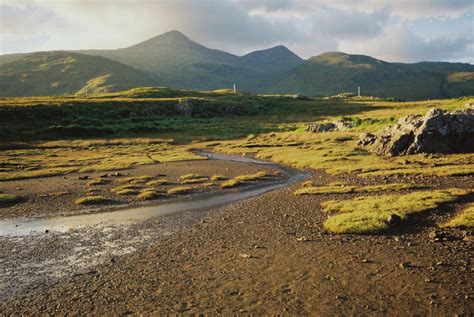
(269, 254)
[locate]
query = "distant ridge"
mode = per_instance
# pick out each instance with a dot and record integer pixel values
(173, 60)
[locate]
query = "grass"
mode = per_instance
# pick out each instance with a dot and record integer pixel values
(7, 199)
(157, 182)
(53, 158)
(91, 200)
(125, 187)
(194, 180)
(216, 178)
(96, 182)
(135, 179)
(465, 219)
(370, 214)
(126, 192)
(342, 188)
(191, 176)
(148, 195)
(179, 190)
(277, 128)
(241, 179)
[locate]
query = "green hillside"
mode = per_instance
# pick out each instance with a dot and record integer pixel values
(56, 73)
(333, 73)
(173, 60)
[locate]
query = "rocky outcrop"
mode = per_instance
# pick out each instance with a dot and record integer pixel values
(436, 132)
(338, 125)
(204, 108)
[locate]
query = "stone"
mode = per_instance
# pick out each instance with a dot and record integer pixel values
(343, 124)
(394, 219)
(437, 132)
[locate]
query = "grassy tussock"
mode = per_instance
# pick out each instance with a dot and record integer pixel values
(97, 182)
(192, 176)
(194, 180)
(126, 192)
(7, 199)
(180, 190)
(148, 195)
(216, 178)
(342, 188)
(157, 182)
(241, 179)
(125, 187)
(465, 219)
(370, 214)
(135, 179)
(91, 200)
(63, 157)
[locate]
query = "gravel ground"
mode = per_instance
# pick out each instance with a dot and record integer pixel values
(265, 255)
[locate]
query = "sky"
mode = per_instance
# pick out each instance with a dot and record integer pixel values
(397, 30)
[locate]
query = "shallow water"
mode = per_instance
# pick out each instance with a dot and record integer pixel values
(27, 226)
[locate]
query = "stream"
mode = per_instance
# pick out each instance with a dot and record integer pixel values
(40, 250)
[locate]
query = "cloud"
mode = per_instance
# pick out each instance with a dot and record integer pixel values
(400, 44)
(394, 30)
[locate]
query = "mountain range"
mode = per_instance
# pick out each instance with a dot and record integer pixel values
(175, 61)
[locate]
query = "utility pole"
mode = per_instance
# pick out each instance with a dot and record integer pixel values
(358, 91)
(235, 90)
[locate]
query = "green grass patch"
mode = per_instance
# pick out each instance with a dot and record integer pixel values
(194, 180)
(148, 195)
(180, 190)
(370, 214)
(157, 182)
(91, 200)
(192, 176)
(126, 192)
(216, 178)
(241, 179)
(7, 199)
(338, 188)
(465, 219)
(97, 182)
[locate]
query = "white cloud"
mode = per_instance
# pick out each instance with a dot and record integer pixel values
(400, 44)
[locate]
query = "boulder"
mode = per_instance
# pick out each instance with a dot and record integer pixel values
(338, 125)
(437, 132)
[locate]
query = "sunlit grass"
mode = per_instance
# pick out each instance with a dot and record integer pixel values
(180, 190)
(370, 214)
(241, 179)
(465, 219)
(91, 200)
(343, 188)
(7, 199)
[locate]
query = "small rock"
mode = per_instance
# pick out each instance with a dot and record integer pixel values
(365, 261)
(302, 239)
(245, 256)
(46, 231)
(405, 265)
(394, 219)
(83, 177)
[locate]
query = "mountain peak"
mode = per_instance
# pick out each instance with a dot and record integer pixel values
(275, 55)
(344, 58)
(169, 38)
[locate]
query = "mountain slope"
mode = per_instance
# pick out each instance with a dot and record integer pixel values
(335, 72)
(56, 73)
(176, 61)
